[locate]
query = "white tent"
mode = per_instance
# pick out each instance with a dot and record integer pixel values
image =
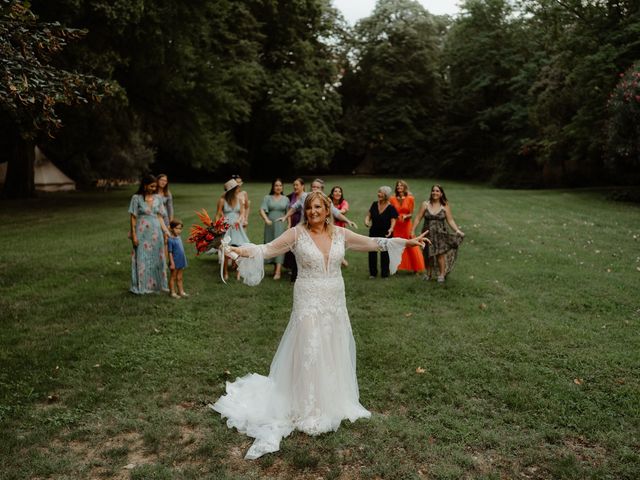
(47, 177)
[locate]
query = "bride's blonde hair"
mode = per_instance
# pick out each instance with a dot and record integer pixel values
(327, 205)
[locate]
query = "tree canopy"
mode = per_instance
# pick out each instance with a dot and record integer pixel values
(514, 92)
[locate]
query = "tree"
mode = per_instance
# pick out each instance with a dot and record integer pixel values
(294, 119)
(490, 61)
(586, 45)
(623, 125)
(392, 91)
(189, 72)
(33, 88)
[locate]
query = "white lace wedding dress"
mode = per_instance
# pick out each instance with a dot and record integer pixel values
(312, 383)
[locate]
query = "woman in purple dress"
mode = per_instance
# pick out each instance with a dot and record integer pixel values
(289, 259)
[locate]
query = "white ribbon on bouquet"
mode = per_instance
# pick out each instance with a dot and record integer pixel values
(223, 250)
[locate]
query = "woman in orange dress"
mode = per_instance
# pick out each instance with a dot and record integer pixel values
(403, 202)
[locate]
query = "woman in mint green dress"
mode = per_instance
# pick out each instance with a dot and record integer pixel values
(148, 261)
(232, 208)
(274, 206)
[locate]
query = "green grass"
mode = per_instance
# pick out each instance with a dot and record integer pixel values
(531, 349)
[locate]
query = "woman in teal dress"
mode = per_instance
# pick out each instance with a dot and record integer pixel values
(148, 260)
(274, 206)
(231, 206)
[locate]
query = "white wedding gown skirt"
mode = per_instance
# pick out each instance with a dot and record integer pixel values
(312, 383)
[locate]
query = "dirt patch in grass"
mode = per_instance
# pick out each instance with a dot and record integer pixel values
(586, 451)
(274, 466)
(94, 458)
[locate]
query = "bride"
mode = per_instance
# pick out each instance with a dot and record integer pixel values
(312, 383)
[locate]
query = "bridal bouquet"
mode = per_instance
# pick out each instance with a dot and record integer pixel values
(208, 236)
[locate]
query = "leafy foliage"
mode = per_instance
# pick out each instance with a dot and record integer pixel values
(509, 91)
(623, 126)
(392, 91)
(32, 86)
(293, 124)
(489, 61)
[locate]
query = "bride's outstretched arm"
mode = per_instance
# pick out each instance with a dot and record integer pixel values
(279, 246)
(251, 257)
(394, 246)
(361, 243)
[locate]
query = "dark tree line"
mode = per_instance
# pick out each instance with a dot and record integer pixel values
(520, 93)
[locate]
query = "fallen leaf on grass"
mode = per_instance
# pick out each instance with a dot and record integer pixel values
(130, 466)
(420, 370)
(156, 330)
(483, 306)
(620, 381)
(577, 381)
(408, 314)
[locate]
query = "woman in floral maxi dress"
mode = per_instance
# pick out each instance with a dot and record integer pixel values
(148, 260)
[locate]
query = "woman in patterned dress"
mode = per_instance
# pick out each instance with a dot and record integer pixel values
(148, 260)
(274, 206)
(444, 244)
(403, 202)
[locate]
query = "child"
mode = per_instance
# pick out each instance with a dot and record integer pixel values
(177, 259)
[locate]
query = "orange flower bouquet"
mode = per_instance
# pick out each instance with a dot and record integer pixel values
(208, 236)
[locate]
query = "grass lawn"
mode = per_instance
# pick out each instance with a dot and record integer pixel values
(530, 351)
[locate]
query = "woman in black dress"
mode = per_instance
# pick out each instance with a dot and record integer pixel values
(380, 219)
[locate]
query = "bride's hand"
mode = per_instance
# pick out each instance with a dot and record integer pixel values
(419, 241)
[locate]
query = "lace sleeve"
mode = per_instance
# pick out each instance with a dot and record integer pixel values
(251, 263)
(395, 247)
(360, 243)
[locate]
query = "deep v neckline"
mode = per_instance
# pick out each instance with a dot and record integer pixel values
(380, 212)
(434, 214)
(326, 258)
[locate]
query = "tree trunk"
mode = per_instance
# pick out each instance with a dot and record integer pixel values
(20, 181)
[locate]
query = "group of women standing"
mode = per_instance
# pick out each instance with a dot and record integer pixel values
(392, 216)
